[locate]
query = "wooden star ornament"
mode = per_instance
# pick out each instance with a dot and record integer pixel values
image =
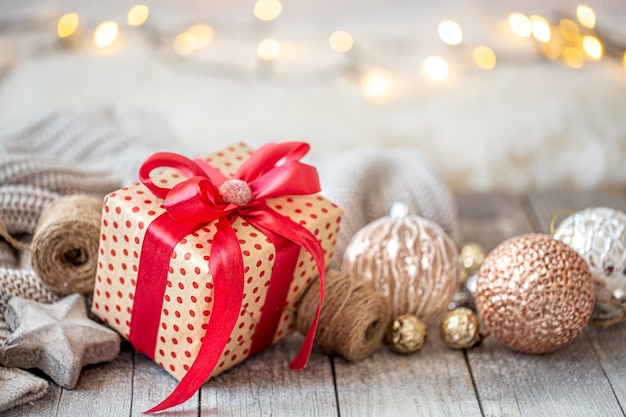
(57, 338)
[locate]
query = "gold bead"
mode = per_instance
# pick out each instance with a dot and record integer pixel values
(406, 334)
(460, 328)
(471, 257)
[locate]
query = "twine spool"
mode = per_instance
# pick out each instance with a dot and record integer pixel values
(353, 319)
(64, 250)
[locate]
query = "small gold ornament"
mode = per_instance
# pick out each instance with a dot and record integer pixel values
(471, 257)
(406, 334)
(460, 329)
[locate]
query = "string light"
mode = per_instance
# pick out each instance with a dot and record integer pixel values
(520, 24)
(593, 47)
(106, 34)
(184, 44)
(484, 57)
(573, 57)
(450, 32)
(624, 60)
(340, 41)
(540, 29)
(376, 85)
(569, 30)
(67, 25)
(137, 15)
(203, 34)
(268, 49)
(267, 9)
(436, 68)
(586, 16)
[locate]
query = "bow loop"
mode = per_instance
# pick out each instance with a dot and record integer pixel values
(167, 160)
(196, 200)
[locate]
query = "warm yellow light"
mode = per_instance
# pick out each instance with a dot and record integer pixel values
(569, 30)
(593, 47)
(450, 32)
(184, 44)
(586, 16)
(376, 85)
(106, 34)
(520, 24)
(624, 60)
(573, 57)
(436, 68)
(267, 9)
(540, 29)
(137, 15)
(67, 25)
(203, 34)
(484, 57)
(268, 49)
(341, 41)
(553, 49)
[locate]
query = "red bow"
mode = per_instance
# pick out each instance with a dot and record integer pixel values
(205, 196)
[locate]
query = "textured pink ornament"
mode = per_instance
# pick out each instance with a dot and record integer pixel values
(534, 293)
(236, 192)
(410, 260)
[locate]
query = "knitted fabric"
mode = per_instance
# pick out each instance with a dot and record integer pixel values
(19, 387)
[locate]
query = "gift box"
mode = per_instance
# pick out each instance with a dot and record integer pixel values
(156, 281)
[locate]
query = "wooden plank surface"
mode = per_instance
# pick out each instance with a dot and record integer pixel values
(586, 378)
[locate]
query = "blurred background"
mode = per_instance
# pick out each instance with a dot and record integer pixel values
(501, 95)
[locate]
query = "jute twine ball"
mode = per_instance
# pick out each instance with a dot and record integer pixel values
(410, 260)
(353, 319)
(64, 251)
(535, 293)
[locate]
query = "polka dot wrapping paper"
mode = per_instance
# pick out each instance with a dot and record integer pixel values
(189, 297)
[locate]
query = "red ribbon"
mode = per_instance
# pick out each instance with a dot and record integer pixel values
(273, 170)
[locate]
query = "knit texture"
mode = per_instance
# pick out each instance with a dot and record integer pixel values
(19, 387)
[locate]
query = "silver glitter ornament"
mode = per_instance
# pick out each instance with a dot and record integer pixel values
(598, 234)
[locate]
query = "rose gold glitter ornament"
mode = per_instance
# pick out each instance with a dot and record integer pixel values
(406, 334)
(534, 293)
(409, 259)
(236, 192)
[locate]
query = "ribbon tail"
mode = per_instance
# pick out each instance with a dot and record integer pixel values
(226, 265)
(270, 220)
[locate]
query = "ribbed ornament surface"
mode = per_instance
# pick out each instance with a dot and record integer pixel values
(409, 259)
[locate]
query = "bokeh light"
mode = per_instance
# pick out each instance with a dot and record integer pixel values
(137, 15)
(484, 57)
(67, 25)
(520, 24)
(340, 41)
(268, 49)
(106, 34)
(450, 32)
(436, 68)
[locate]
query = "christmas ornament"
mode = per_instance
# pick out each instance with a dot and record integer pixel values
(599, 235)
(409, 259)
(460, 329)
(471, 257)
(535, 293)
(57, 338)
(406, 334)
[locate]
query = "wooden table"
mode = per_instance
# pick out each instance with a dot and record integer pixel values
(586, 378)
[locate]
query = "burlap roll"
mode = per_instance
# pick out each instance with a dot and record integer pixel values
(353, 319)
(64, 251)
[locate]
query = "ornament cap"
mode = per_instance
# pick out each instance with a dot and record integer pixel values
(399, 209)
